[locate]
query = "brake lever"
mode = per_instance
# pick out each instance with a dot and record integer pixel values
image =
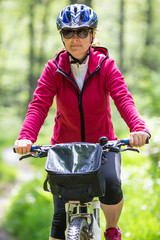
(25, 156)
(37, 151)
(31, 155)
(129, 149)
(114, 149)
(111, 149)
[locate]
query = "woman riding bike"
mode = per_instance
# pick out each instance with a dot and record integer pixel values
(82, 77)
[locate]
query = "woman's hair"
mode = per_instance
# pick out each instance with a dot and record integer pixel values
(60, 50)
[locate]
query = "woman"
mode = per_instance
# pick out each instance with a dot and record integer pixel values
(82, 78)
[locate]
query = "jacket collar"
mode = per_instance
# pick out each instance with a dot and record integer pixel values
(96, 57)
(62, 62)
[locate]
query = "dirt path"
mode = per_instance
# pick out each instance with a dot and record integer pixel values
(25, 173)
(4, 201)
(4, 235)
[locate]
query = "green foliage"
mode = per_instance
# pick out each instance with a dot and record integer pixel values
(7, 173)
(141, 199)
(15, 46)
(32, 211)
(7, 176)
(10, 125)
(140, 216)
(153, 149)
(141, 60)
(140, 55)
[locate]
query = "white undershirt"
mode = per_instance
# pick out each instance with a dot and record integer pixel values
(79, 72)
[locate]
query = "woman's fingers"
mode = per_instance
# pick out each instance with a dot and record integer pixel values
(23, 146)
(138, 139)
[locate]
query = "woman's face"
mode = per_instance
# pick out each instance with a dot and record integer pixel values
(77, 46)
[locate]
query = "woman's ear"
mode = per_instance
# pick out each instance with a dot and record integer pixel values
(94, 35)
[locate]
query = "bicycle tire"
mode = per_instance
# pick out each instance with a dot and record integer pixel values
(78, 229)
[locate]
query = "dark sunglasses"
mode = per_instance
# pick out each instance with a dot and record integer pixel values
(81, 33)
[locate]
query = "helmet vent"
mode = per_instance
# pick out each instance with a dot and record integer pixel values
(68, 16)
(82, 7)
(75, 10)
(61, 13)
(82, 16)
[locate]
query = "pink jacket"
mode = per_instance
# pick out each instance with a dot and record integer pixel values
(81, 115)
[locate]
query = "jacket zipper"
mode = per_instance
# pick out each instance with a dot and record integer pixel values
(80, 105)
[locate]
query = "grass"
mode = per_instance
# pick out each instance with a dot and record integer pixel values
(140, 216)
(32, 211)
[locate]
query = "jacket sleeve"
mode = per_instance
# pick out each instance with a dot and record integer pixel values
(123, 100)
(39, 107)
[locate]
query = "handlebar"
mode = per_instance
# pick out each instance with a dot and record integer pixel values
(40, 151)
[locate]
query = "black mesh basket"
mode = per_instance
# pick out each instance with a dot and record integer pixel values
(74, 171)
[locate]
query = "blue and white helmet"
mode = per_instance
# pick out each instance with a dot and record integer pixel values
(77, 16)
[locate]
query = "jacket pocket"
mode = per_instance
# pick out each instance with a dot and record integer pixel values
(58, 116)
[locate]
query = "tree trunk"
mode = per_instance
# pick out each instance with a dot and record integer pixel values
(86, 2)
(31, 79)
(149, 59)
(41, 57)
(121, 37)
(149, 36)
(33, 58)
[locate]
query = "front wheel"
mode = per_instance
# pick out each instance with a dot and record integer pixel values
(78, 229)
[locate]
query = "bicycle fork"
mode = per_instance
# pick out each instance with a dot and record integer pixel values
(89, 211)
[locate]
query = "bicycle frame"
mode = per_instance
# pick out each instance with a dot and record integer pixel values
(89, 211)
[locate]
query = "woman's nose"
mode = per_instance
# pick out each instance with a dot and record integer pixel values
(75, 36)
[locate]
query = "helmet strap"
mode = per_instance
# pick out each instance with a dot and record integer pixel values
(75, 60)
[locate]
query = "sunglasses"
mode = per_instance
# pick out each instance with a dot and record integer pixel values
(81, 33)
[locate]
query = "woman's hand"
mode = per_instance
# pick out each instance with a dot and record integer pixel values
(138, 139)
(23, 146)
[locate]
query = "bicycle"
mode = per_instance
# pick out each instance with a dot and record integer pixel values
(82, 216)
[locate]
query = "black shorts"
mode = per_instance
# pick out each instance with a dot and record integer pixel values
(112, 172)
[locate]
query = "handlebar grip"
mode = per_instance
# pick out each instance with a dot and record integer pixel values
(126, 141)
(33, 148)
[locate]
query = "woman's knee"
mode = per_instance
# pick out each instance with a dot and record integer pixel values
(113, 194)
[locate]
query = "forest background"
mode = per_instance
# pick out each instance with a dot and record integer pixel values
(28, 39)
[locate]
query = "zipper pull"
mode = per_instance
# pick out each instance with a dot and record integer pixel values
(79, 98)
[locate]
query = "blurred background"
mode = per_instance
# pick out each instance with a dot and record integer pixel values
(28, 39)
